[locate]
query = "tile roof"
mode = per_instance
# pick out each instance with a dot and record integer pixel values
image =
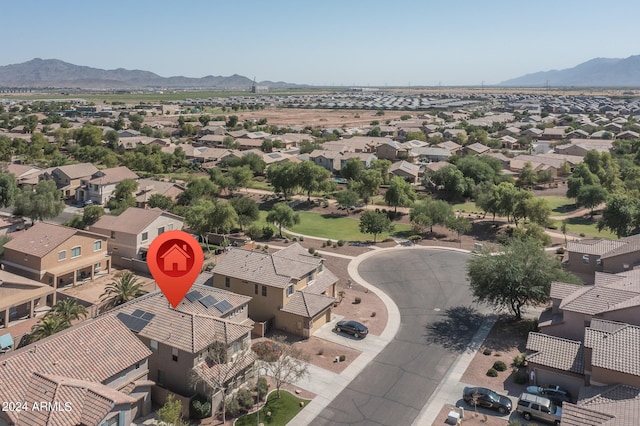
(628, 245)
(615, 405)
(325, 279)
(42, 238)
(574, 415)
(71, 353)
(617, 350)
(562, 290)
(76, 171)
(593, 300)
(275, 270)
(307, 305)
(131, 221)
(191, 326)
(556, 352)
(113, 175)
(596, 247)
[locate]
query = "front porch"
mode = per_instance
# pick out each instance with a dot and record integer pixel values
(72, 274)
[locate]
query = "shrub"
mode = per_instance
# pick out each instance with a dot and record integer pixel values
(334, 245)
(357, 301)
(560, 250)
(329, 242)
(373, 314)
(519, 360)
(245, 399)
(311, 250)
(286, 241)
(492, 372)
(301, 238)
(320, 351)
(414, 238)
(582, 234)
(232, 407)
(500, 366)
(324, 245)
(254, 232)
(342, 358)
(199, 407)
(486, 351)
(340, 243)
(267, 350)
(295, 239)
(266, 247)
(262, 387)
(258, 246)
(267, 232)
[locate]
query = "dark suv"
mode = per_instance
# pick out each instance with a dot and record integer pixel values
(483, 397)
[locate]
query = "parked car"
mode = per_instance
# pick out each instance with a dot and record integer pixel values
(483, 397)
(352, 327)
(553, 392)
(539, 408)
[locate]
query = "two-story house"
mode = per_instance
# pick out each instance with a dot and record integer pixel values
(586, 257)
(290, 288)
(209, 328)
(95, 373)
(69, 178)
(56, 255)
(19, 296)
(131, 233)
(100, 185)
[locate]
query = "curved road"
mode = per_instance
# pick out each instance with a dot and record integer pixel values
(394, 387)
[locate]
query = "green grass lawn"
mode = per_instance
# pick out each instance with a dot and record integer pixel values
(559, 204)
(282, 410)
(579, 225)
(466, 207)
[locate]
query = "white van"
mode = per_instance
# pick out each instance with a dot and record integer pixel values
(538, 407)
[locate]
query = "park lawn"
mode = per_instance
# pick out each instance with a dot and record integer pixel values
(579, 225)
(559, 204)
(282, 410)
(466, 207)
(339, 227)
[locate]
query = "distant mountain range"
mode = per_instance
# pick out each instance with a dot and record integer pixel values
(599, 72)
(59, 74)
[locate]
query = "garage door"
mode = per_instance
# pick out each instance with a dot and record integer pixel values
(570, 383)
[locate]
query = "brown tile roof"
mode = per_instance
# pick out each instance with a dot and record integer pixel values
(616, 350)
(275, 270)
(42, 238)
(191, 326)
(556, 352)
(628, 245)
(72, 354)
(76, 171)
(131, 221)
(307, 305)
(562, 290)
(113, 175)
(615, 405)
(596, 247)
(596, 299)
(325, 279)
(574, 415)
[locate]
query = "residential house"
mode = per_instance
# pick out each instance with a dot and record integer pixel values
(99, 187)
(509, 142)
(56, 255)
(218, 128)
(291, 140)
(451, 146)
(628, 134)
(131, 233)
(20, 296)
(534, 132)
(407, 171)
(149, 187)
(212, 140)
(366, 144)
(330, 160)
(393, 151)
(69, 178)
(95, 372)
(291, 289)
(455, 133)
(476, 149)
(365, 157)
(504, 160)
(431, 153)
(553, 133)
(25, 175)
(613, 128)
(128, 133)
(585, 257)
(209, 326)
(278, 157)
(603, 406)
(248, 143)
(580, 147)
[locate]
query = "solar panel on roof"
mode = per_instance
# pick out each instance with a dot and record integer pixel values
(223, 306)
(193, 295)
(137, 313)
(134, 324)
(208, 301)
(148, 316)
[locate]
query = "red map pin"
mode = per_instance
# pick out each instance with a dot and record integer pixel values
(175, 259)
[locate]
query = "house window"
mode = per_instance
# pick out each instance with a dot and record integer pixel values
(97, 245)
(113, 234)
(174, 354)
(264, 290)
(62, 255)
(170, 227)
(76, 251)
(160, 379)
(227, 282)
(309, 277)
(153, 344)
(137, 365)
(585, 258)
(320, 267)
(290, 290)
(160, 230)
(145, 236)
(255, 288)
(598, 262)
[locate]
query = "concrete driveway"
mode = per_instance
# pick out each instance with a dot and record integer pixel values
(437, 321)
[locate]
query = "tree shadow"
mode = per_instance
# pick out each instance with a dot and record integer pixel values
(455, 330)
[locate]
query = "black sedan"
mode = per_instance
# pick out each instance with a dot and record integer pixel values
(352, 327)
(553, 392)
(483, 397)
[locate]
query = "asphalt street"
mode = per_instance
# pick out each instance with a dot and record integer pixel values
(438, 319)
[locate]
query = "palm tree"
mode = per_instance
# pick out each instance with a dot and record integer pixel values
(69, 309)
(123, 288)
(47, 326)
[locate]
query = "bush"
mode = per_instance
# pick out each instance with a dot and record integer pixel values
(329, 242)
(500, 366)
(340, 243)
(232, 407)
(286, 241)
(199, 407)
(316, 254)
(357, 300)
(267, 232)
(334, 245)
(245, 399)
(492, 372)
(254, 232)
(342, 358)
(519, 360)
(560, 250)
(324, 245)
(414, 238)
(295, 239)
(582, 234)
(262, 387)
(486, 351)
(373, 314)
(311, 250)
(301, 238)
(267, 350)
(265, 248)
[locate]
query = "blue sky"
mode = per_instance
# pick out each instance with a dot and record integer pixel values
(376, 43)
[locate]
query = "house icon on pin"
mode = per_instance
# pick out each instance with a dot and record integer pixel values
(175, 259)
